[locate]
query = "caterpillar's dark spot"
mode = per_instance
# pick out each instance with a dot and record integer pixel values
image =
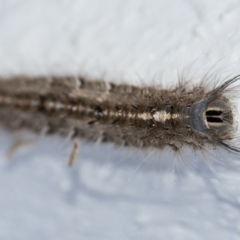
(214, 116)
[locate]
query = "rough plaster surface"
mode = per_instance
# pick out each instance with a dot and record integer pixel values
(114, 193)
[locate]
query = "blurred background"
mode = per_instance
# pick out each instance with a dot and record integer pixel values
(115, 193)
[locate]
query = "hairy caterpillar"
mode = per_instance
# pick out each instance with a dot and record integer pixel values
(125, 115)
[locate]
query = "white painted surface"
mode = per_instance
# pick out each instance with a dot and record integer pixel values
(110, 193)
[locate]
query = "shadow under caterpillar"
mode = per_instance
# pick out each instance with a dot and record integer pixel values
(123, 114)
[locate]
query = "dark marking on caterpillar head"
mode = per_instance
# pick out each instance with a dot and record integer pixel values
(123, 114)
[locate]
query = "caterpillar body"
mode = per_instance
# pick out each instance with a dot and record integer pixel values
(125, 115)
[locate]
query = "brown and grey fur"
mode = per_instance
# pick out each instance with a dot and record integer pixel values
(122, 114)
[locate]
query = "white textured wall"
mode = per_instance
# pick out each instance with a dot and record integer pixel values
(109, 194)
